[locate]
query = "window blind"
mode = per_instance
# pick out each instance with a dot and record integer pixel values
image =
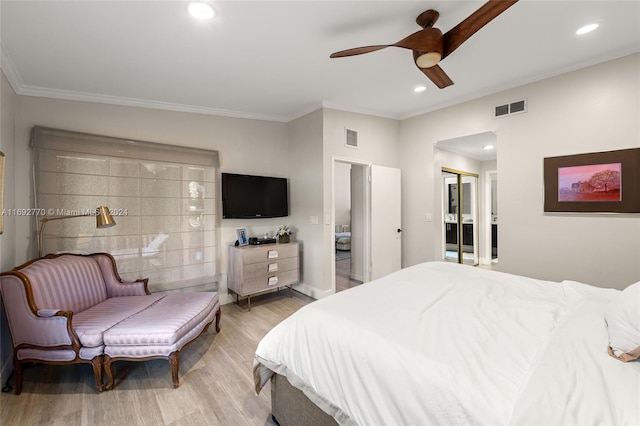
(162, 197)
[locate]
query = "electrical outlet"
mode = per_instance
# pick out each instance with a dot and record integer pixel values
(427, 217)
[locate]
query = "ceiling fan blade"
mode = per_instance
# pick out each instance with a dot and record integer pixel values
(438, 76)
(435, 74)
(478, 19)
(426, 40)
(358, 51)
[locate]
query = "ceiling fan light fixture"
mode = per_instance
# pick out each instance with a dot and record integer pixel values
(587, 28)
(429, 59)
(201, 10)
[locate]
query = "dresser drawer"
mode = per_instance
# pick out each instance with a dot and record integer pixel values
(257, 284)
(253, 270)
(270, 252)
(256, 269)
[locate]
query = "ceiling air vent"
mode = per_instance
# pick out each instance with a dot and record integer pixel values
(351, 138)
(511, 108)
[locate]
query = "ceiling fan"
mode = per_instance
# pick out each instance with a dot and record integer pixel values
(430, 46)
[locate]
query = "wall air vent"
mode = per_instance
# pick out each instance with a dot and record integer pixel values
(516, 107)
(502, 110)
(351, 138)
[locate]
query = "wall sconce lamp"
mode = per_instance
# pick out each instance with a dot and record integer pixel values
(103, 220)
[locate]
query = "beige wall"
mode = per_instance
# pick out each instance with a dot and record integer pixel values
(8, 107)
(595, 109)
(305, 191)
(8, 101)
(343, 194)
(378, 144)
(245, 146)
(590, 110)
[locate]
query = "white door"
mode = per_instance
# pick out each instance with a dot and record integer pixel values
(386, 231)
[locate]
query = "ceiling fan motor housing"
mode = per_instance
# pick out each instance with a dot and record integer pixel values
(427, 46)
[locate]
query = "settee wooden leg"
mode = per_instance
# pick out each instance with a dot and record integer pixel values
(97, 362)
(17, 375)
(174, 361)
(218, 315)
(108, 368)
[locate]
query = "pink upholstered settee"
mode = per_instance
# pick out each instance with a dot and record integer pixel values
(72, 308)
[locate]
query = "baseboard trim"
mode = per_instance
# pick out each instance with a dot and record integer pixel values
(312, 292)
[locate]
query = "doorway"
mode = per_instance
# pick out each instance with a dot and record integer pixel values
(460, 213)
(492, 213)
(375, 220)
(475, 154)
(349, 218)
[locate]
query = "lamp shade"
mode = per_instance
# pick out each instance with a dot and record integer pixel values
(104, 218)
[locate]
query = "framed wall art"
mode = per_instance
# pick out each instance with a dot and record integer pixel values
(598, 182)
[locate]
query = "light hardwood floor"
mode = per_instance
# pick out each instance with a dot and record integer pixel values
(343, 275)
(216, 380)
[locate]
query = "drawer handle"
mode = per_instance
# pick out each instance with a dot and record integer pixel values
(273, 280)
(273, 267)
(272, 254)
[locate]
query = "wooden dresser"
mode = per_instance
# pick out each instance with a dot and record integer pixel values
(255, 269)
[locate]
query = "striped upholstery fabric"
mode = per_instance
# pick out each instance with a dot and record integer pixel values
(114, 287)
(159, 350)
(67, 283)
(164, 323)
(91, 324)
(110, 317)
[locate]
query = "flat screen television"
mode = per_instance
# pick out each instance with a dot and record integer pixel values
(250, 197)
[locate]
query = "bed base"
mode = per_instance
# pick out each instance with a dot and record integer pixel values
(291, 407)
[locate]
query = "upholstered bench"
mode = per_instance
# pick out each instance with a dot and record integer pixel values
(73, 308)
(160, 331)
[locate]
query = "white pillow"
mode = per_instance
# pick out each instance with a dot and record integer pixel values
(623, 324)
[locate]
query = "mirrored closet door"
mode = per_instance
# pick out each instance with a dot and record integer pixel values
(460, 214)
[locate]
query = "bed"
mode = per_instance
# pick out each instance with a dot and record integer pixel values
(442, 343)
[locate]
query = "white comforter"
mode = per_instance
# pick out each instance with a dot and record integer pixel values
(441, 343)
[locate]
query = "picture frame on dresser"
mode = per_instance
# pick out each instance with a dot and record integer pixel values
(241, 236)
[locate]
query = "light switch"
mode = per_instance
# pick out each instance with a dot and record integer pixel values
(427, 217)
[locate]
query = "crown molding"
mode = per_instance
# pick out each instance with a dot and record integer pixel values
(9, 68)
(141, 103)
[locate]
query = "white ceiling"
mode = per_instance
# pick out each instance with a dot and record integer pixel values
(472, 146)
(270, 59)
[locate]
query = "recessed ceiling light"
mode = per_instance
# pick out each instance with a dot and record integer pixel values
(201, 10)
(419, 89)
(487, 147)
(587, 28)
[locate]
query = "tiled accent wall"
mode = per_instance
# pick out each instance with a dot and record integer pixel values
(165, 211)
